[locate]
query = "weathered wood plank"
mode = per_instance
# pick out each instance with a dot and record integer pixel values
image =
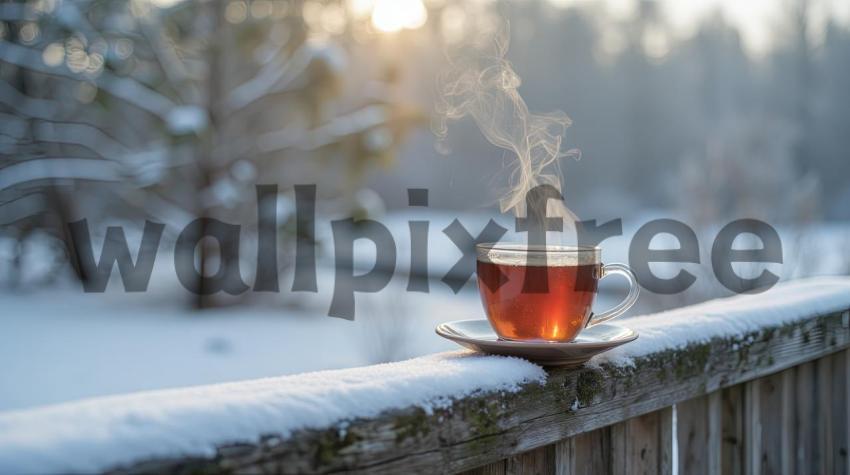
(700, 436)
(841, 407)
(823, 368)
(592, 451)
(752, 427)
(667, 434)
(534, 462)
(482, 429)
(806, 419)
(495, 468)
(838, 407)
(642, 445)
(844, 448)
(715, 432)
(565, 457)
(788, 424)
(771, 425)
(692, 427)
(732, 448)
(832, 410)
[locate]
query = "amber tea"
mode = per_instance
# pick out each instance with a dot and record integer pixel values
(544, 293)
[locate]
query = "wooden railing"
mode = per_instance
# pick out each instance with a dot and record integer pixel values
(770, 401)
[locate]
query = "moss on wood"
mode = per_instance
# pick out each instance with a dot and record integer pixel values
(414, 424)
(331, 442)
(588, 385)
(482, 418)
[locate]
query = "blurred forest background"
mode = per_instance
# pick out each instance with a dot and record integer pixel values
(169, 110)
(118, 111)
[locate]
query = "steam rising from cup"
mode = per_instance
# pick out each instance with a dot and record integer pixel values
(483, 85)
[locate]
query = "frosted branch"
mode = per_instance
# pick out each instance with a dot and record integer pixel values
(275, 77)
(123, 88)
(172, 66)
(58, 168)
(352, 123)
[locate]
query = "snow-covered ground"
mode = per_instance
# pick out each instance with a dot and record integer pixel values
(62, 344)
(95, 434)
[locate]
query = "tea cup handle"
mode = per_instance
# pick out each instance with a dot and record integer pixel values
(619, 309)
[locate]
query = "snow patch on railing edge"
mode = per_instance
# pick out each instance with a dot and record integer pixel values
(786, 303)
(101, 433)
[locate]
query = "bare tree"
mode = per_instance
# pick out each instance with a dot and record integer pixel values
(176, 112)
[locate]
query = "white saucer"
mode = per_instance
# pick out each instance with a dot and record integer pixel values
(478, 335)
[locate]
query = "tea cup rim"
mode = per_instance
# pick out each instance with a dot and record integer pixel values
(556, 255)
(548, 248)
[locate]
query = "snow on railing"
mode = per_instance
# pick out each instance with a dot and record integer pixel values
(451, 411)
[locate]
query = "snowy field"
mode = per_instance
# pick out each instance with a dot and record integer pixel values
(60, 345)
